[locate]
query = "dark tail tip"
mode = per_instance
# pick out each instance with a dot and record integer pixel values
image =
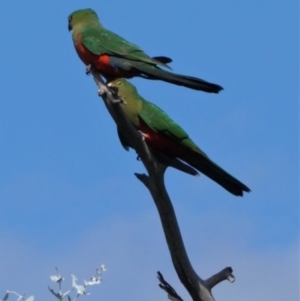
(238, 189)
(163, 59)
(212, 88)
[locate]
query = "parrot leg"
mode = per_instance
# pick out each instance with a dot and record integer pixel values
(143, 135)
(106, 90)
(102, 87)
(113, 90)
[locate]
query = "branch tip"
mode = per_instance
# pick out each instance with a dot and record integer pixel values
(225, 274)
(143, 178)
(164, 285)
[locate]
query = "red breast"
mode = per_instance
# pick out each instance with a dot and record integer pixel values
(101, 62)
(160, 141)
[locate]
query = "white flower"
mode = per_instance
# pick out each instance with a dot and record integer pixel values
(79, 288)
(93, 280)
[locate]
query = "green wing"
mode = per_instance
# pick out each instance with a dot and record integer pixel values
(99, 40)
(159, 121)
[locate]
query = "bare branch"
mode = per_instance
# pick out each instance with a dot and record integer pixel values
(199, 290)
(225, 274)
(172, 295)
(143, 178)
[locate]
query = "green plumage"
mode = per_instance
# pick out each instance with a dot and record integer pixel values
(137, 108)
(173, 142)
(99, 40)
(115, 57)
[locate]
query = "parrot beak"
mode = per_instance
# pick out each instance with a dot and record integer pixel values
(69, 27)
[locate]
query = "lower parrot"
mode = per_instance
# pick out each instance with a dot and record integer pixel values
(167, 140)
(114, 57)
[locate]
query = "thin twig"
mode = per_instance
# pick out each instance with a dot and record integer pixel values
(172, 295)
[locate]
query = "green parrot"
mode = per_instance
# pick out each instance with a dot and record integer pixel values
(114, 57)
(167, 140)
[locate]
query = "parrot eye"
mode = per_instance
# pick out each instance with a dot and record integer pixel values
(119, 83)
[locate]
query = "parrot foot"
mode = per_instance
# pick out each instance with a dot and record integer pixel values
(104, 90)
(138, 158)
(121, 100)
(143, 135)
(101, 91)
(113, 90)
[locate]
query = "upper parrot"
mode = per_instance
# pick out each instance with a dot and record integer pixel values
(167, 140)
(114, 57)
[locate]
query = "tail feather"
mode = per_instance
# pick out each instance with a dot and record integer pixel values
(153, 72)
(175, 163)
(215, 172)
(163, 59)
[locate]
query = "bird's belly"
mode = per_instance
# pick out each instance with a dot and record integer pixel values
(100, 62)
(160, 141)
(86, 56)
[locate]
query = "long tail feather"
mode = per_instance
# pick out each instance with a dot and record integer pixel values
(175, 163)
(153, 72)
(214, 172)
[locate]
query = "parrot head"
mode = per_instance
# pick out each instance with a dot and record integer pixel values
(81, 16)
(124, 87)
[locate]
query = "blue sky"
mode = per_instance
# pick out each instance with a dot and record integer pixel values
(67, 191)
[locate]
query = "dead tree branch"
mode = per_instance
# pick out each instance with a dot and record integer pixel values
(199, 289)
(172, 295)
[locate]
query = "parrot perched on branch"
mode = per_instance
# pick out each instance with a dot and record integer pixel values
(114, 57)
(167, 140)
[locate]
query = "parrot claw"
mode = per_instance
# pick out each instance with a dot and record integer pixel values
(108, 89)
(142, 135)
(101, 92)
(123, 101)
(114, 90)
(88, 69)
